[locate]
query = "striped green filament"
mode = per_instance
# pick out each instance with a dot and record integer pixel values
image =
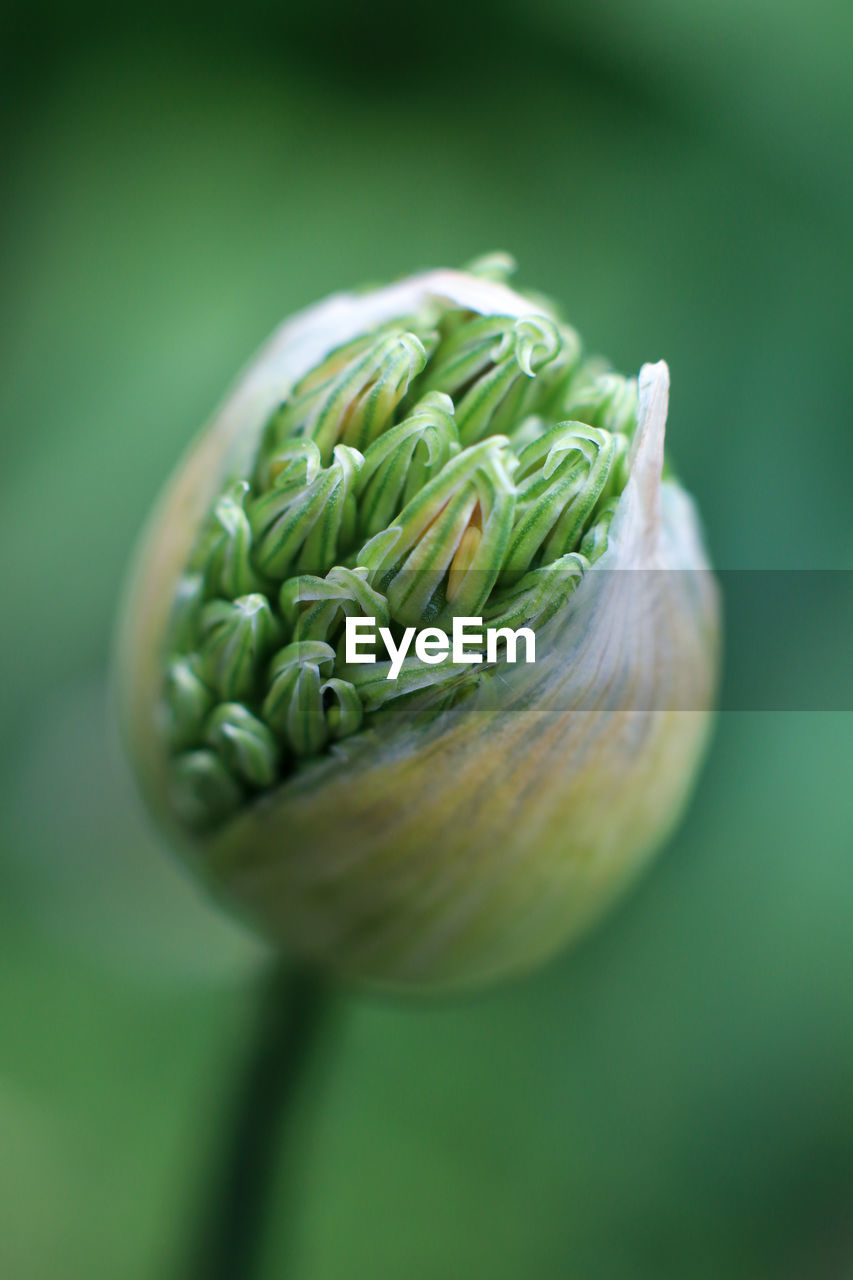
(447, 465)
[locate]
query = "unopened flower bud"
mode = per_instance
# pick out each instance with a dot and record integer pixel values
(436, 470)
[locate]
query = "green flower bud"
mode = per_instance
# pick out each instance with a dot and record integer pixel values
(202, 791)
(294, 706)
(187, 700)
(396, 464)
(227, 566)
(343, 593)
(445, 549)
(233, 638)
(560, 478)
(246, 746)
(356, 405)
(402, 461)
(306, 523)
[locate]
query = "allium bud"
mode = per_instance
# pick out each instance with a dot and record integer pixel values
(418, 459)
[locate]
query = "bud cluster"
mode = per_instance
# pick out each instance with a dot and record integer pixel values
(446, 465)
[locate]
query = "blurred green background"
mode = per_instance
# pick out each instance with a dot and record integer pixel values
(674, 1098)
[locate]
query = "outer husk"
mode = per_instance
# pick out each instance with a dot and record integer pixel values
(452, 854)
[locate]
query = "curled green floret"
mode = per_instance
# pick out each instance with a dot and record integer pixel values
(448, 465)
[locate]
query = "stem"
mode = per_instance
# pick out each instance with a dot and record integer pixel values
(238, 1202)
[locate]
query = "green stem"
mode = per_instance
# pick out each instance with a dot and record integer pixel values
(238, 1202)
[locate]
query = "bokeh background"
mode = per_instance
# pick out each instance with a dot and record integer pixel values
(675, 1097)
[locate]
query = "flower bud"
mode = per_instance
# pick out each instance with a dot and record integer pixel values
(233, 636)
(405, 463)
(294, 706)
